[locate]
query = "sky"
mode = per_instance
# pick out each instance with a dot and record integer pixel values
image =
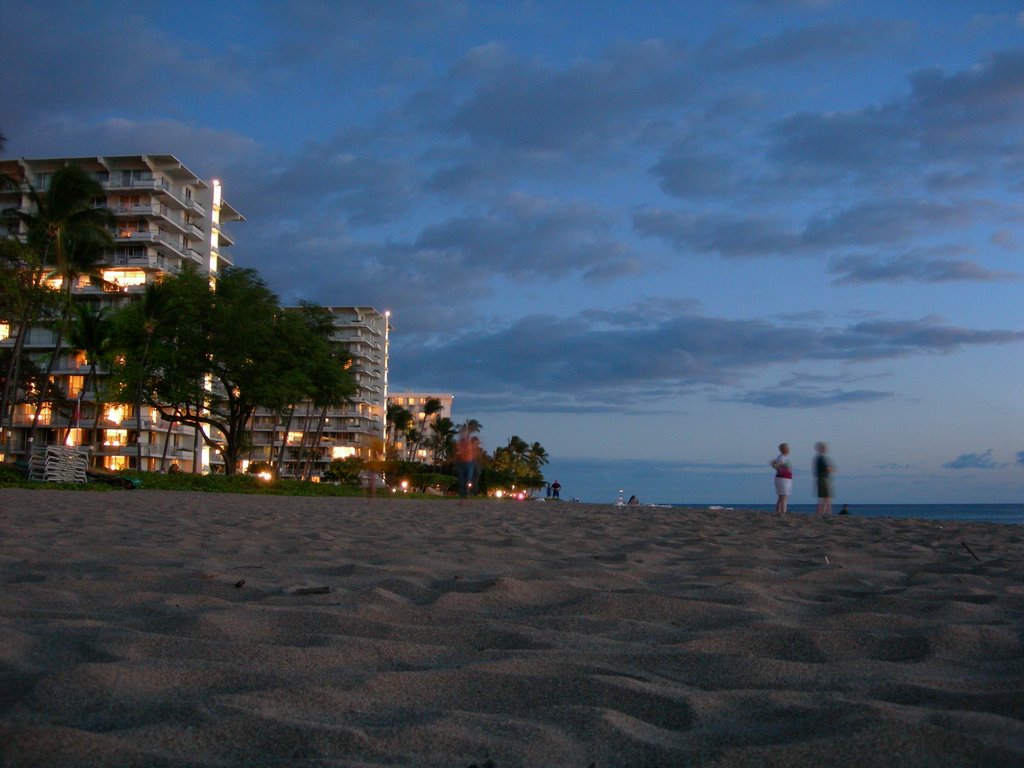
(659, 238)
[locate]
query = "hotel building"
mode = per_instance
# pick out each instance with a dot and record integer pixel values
(415, 402)
(302, 442)
(165, 217)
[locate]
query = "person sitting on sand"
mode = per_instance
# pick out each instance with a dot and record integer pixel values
(783, 478)
(633, 500)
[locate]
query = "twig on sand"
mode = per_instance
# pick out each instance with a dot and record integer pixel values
(311, 591)
(971, 551)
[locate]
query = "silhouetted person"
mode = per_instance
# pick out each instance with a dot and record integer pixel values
(823, 469)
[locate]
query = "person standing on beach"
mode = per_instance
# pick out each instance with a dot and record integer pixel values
(467, 457)
(783, 478)
(556, 488)
(823, 469)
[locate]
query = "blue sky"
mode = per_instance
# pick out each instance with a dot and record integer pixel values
(658, 237)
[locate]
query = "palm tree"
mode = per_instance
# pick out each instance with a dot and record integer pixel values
(472, 426)
(23, 297)
(69, 235)
(442, 441)
(430, 409)
(536, 456)
(154, 305)
(398, 421)
(90, 333)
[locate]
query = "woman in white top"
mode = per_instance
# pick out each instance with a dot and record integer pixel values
(783, 478)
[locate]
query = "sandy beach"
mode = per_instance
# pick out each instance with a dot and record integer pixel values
(148, 628)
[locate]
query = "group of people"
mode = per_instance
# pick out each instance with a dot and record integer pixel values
(823, 471)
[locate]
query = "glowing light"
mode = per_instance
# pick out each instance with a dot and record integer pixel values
(265, 476)
(115, 413)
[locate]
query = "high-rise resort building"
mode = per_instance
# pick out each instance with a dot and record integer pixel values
(303, 441)
(165, 217)
(416, 404)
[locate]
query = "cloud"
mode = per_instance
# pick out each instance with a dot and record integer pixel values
(818, 42)
(121, 59)
(974, 461)
(868, 269)
(755, 235)
(528, 237)
(529, 105)
(807, 398)
(588, 356)
(1020, 458)
(207, 152)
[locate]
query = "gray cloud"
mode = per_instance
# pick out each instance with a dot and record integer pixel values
(782, 398)
(869, 223)
(817, 42)
(873, 269)
(121, 60)
(528, 237)
(974, 461)
(1020, 458)
(531, 106)
(586, 355)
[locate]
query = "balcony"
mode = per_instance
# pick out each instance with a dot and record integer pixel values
(160, 239)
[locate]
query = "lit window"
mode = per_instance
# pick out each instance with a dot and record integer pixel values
(116, 437)
(125, 278)
(75, 384)
(116, 462)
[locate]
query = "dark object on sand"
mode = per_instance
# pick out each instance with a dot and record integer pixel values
(312, 591)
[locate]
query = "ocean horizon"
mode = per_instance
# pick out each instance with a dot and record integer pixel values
(974, 513)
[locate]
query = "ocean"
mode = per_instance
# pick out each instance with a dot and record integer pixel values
(978, 513)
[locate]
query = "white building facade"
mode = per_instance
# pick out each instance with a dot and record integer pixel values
(414, 403)
(165, 217)
(303, 441)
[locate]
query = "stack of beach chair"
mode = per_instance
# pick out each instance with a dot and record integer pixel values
(59, 464)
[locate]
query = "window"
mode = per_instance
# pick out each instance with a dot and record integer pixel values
(116, 463)
(116, 437)
(124, 278)
(75, 384)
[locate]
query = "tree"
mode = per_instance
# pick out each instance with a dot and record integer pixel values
(90, 333)
(430, 409)
(442, 439)
(517, 464)
(24, 296)
(319, 359)
(81, 257)
(399, 419)
(68, 236)
(472, 426)
(217, 355)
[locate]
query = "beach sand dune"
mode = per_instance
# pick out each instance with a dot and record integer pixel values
(151, 628)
